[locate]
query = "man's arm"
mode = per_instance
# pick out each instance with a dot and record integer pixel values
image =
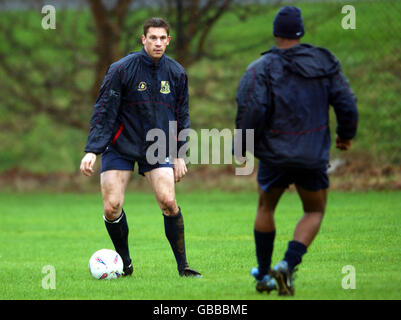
(180, 169)
(344, 103)
(105, 112)
(343, 144)
(103, 119)
(252, 103)
(87, 163)
(183, 122)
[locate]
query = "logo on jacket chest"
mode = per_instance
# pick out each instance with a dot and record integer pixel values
(142, 86)
(164, 87)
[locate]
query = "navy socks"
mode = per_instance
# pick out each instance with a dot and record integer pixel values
(264, 242)
(118, 232)
(174, 230)
(294, 254)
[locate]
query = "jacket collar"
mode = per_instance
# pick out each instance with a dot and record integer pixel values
(149, 61)
(292, 49)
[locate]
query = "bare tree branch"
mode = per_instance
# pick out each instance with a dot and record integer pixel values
(193, 20)
(109, 25)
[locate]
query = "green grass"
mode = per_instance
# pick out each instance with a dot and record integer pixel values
(63, 230)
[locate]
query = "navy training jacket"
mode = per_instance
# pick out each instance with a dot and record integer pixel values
(285, 96)
(138, 95)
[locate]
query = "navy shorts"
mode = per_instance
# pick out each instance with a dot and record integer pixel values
(113, 160)
(275, 177)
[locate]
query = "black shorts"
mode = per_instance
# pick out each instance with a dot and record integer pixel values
(113, 160)
(277, 177)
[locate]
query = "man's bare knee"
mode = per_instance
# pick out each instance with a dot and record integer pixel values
(316, 209)
(313, 201)
(315, 214)
(267, 201)
(112, 209)
(264, 206)
(168, 206)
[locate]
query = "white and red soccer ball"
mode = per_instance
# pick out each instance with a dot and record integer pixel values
(106, 264)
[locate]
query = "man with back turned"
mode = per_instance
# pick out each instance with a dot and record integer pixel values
(285, 96)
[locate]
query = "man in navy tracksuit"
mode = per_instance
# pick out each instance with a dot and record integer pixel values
(285, 96)
(143, 91)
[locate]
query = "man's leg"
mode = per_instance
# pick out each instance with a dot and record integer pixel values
(314, 204)
(162, 183)
(264, 234)
(264, 228)
(113, 185)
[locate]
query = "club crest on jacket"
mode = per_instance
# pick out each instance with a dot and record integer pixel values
(165, 87)
(142, 86)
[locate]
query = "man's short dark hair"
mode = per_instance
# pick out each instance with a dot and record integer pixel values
(156, 23)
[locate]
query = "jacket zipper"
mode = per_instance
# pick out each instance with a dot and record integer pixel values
(153, 96)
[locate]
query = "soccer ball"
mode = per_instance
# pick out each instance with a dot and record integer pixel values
(105, 264)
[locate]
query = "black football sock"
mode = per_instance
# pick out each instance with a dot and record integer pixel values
(264, 242)
(118, 232)
(174, 229)
(294, 254)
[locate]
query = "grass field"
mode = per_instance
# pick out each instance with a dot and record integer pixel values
(63, 230)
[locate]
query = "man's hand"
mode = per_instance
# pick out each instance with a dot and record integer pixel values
(180, 169)
(342, 144)
(87, 164)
